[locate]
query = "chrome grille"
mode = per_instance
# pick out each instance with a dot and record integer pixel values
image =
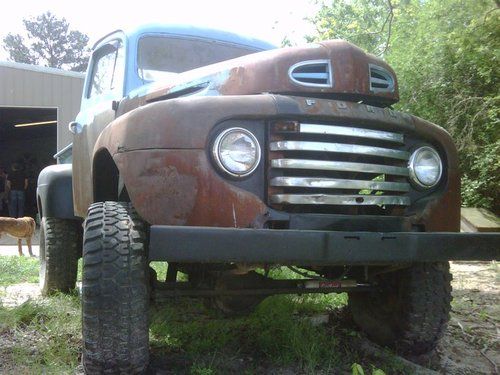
(321, 165)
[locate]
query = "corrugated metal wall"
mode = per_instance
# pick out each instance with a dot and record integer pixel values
(23, 85)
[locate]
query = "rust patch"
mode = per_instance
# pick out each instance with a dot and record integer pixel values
(160, 182)
(179, 187)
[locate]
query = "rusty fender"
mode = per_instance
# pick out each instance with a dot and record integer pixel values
(160, 150)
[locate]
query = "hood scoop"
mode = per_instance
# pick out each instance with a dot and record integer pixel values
(380, 79)
(312, 73)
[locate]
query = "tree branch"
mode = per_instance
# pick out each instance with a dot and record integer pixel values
(389, 18)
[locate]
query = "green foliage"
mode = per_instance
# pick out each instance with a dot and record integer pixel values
(201, 370)
(15, 270)
(52, 44)
(480, 183)
(357, 369)
(363, 22)
(160, 268)
(446, 54)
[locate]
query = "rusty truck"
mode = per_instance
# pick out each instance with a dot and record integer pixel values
(225, 156)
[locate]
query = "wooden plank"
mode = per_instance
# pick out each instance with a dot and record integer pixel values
(479, 220)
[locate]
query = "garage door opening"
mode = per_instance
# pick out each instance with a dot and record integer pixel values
(28, 136)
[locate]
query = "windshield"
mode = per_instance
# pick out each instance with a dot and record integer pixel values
(161, 57)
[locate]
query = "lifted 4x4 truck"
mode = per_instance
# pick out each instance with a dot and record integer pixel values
(225, 156)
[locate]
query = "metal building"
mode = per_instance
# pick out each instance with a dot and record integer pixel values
(33, 101)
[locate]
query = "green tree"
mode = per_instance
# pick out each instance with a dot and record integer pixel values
(50, 43)
(446, 54)
(366, 23)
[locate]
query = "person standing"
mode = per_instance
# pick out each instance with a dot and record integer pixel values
(17, 184)
(3, 188)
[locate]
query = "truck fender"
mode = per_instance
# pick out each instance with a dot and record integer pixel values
(55, 192)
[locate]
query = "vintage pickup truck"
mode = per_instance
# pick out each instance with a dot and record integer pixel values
(225, 156)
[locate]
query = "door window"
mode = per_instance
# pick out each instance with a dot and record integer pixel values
(108, 70)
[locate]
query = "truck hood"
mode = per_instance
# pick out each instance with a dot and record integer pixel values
(332, 69)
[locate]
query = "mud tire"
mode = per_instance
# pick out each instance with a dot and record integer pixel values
(410, 312)
(59, 248)
(115, 291)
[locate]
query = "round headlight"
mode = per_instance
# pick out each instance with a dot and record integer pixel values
(237, 152)
(425, 167)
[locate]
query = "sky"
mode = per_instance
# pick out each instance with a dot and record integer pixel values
(270, 20)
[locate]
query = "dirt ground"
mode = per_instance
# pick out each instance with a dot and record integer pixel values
(471, 343)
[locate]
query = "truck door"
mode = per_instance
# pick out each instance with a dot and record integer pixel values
(103, 85)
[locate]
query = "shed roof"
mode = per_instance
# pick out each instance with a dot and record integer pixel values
(41, 69)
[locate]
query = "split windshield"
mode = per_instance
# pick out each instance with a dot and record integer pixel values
(161, 57)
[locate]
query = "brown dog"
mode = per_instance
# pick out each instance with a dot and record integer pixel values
(23, 227)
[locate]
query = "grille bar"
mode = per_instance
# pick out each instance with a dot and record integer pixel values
(333, 183)
(339, 166)
(351, 132)
(323, 76)
(326, 199)
(339, 148)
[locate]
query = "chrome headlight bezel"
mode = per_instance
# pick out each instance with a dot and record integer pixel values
(216, 152)
(413, 168)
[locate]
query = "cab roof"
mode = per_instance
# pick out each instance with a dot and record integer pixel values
(188, 31)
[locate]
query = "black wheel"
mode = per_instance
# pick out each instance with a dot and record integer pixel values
(115, 291)
(410, 312)
(59, 247)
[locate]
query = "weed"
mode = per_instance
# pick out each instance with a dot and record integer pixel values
(200, 370)
(483, 315)
(20, 316)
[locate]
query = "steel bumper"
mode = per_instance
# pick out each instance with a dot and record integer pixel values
(309, 247)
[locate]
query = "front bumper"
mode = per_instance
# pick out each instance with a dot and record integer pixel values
(310, 247)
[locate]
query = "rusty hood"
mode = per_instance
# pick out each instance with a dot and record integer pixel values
(348, 76)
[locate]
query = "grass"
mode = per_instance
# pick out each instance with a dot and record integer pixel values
(41, 336)
(277, 332)
(44, 335)
(15, 270)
